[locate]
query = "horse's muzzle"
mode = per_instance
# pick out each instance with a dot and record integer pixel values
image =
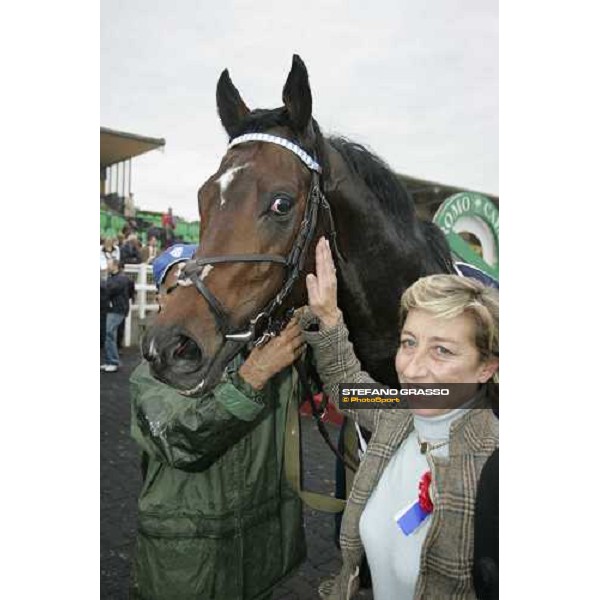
(174, 357)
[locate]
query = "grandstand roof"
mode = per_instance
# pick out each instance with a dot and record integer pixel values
(117, 146)
(431, 191)
(428, 195)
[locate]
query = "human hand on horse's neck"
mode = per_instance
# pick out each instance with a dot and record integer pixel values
(277, 354)
(322, 287)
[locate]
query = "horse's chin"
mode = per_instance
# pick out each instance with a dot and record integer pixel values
(197, 390)
(205, 382)
(186, 383)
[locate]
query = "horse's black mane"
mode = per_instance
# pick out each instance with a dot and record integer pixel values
(378, 177)
(396, 201)
(381, 180)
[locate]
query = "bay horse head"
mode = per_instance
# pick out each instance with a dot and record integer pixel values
(258, 214)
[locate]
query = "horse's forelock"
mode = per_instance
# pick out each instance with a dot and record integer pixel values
(261, 120)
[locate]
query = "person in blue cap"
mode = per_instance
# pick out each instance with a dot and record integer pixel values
(217, 518)
(177, 254)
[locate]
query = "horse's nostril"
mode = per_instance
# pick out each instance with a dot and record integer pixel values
(187, 349)
(173, 357)
(183, 355)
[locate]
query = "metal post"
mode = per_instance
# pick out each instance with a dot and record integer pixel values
(141, 307)
(143, 280)
(127, 335)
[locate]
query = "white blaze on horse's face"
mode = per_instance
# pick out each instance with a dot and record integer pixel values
(226, 179)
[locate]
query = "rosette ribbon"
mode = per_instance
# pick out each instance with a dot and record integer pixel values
(410, 519)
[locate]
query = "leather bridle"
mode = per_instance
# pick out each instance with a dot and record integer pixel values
(254, 334)
(264, 325)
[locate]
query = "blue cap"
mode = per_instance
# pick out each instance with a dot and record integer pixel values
(173, 255)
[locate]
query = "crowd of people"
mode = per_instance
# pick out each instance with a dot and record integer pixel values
(117, 290)
(127, 248)
(218, 516)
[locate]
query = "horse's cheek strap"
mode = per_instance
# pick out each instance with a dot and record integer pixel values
(214, 305)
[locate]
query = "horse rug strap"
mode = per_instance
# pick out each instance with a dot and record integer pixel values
(292, 466)
(467, 270)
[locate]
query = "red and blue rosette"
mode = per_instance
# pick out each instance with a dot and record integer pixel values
(410, 519)
(424, 496)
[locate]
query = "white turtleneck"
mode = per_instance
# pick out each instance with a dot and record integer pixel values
(394, 557)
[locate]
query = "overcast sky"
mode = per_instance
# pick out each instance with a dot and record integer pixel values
(416, 81)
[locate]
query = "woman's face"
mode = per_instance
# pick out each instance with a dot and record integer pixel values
(434, 350)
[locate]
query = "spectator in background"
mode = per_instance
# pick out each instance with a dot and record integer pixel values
(120, 240)
(108, 250)
(487, 526)
(131, 251)
(168, 223)
(104, 306)
(473, 242)
(120, 291)
(150, 251)
(133, 224)
(159, 234)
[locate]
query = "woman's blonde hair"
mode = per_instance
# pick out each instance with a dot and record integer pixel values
(448, 296)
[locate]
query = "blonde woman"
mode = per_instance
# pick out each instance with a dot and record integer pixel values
(108, 250)
(448, 334)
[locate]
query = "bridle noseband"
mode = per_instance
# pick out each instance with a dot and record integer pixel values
(293, 263)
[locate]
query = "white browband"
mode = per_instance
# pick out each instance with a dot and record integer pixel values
(312, 164)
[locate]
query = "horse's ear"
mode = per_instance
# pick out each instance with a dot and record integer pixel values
(297, 96)
(232, 108)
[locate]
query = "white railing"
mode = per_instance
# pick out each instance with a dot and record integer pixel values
(143, 273)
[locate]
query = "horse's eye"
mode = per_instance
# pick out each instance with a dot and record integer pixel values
(281, 206)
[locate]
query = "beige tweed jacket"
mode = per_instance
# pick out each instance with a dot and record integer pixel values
(447, 554)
